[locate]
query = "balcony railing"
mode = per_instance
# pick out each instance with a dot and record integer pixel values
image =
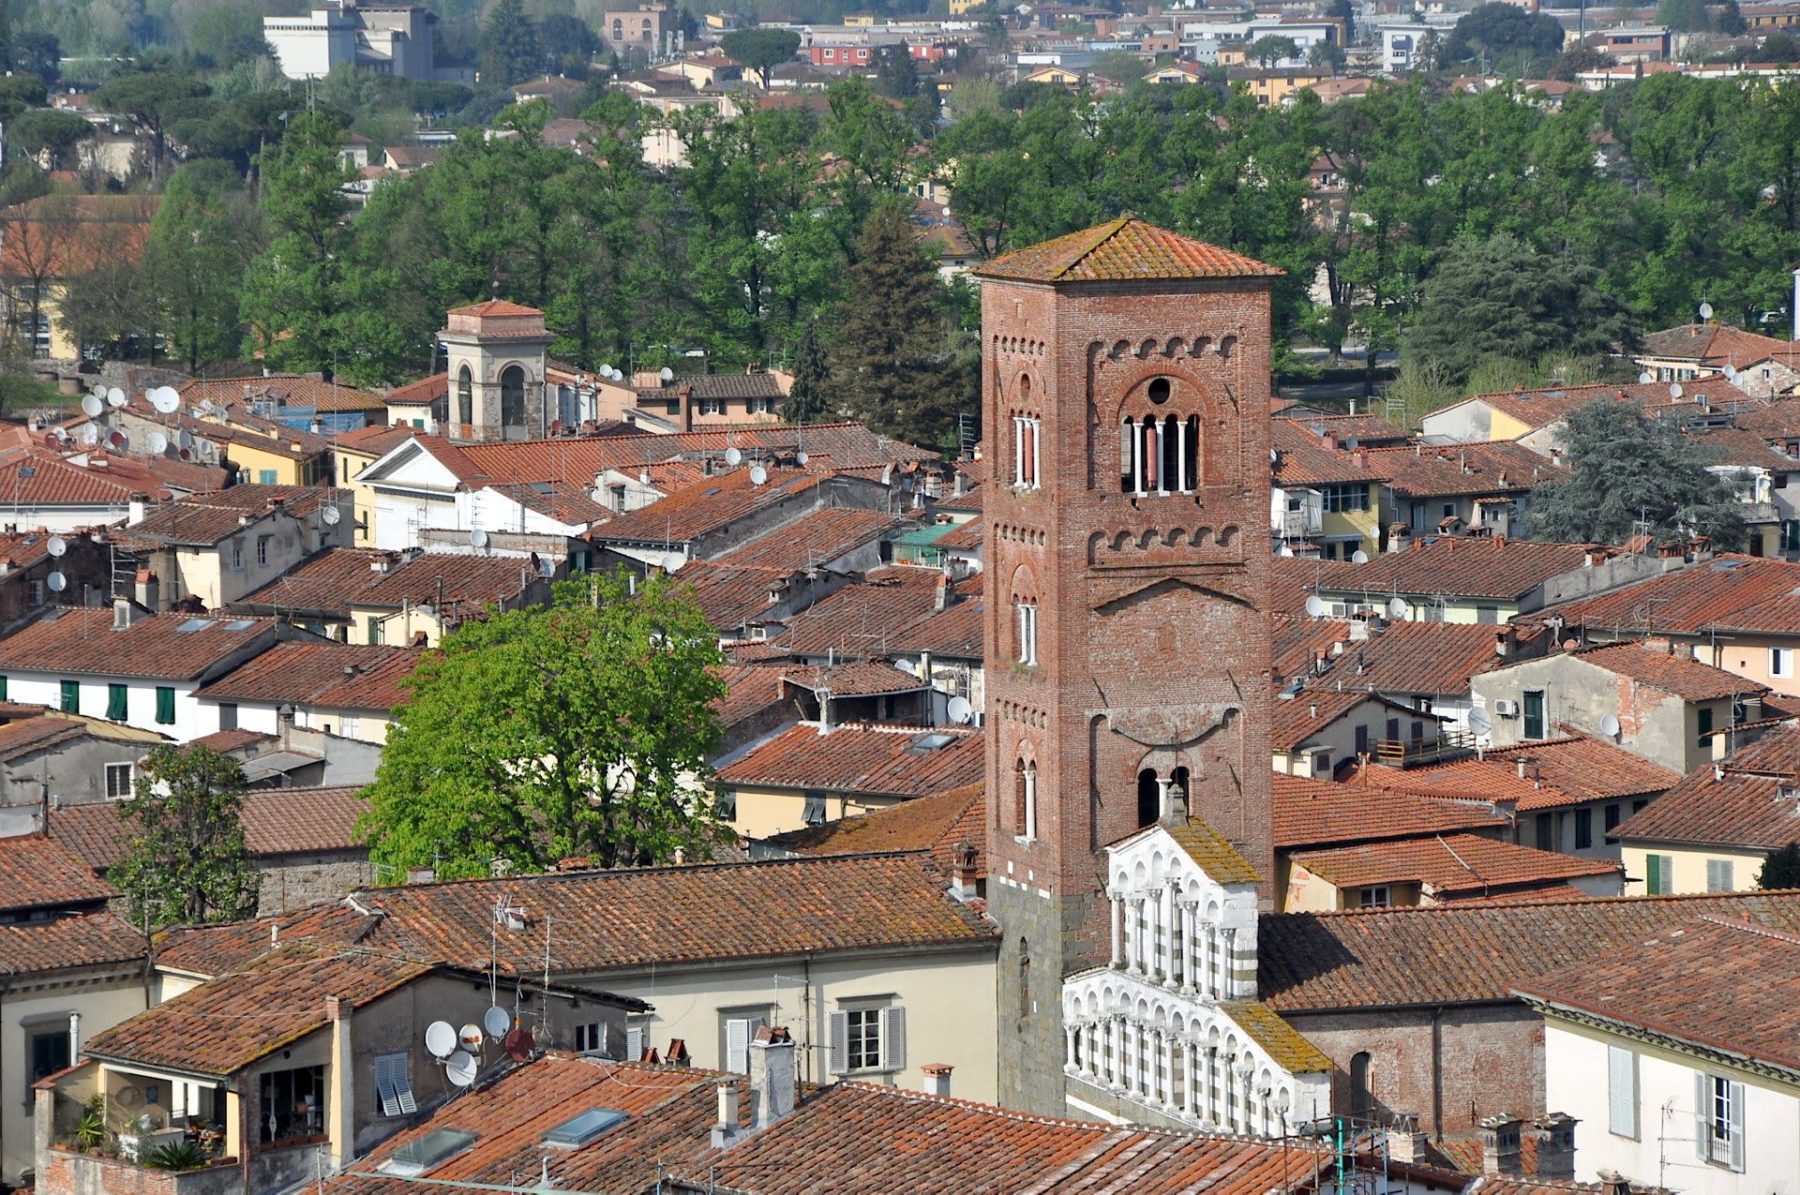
(1425, 749)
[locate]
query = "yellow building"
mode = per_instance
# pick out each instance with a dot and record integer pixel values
(353, 452)
(52, 239)
(1714, 830)
(1274, 87)
(1323, 502)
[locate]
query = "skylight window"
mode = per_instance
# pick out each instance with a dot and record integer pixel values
(240, 624)
(434, 1148)
(582, 1129)
(192, 625)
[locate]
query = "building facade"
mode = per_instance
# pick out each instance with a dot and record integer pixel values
(1126, 381)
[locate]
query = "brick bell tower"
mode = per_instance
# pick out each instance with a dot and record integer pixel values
(1125, 400)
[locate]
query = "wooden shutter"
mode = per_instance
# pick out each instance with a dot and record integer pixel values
(1702, 1116)
(1621, 1091)
(634, 1042)
(837, 1043)
(893, 1039)
(1652, 873)
(737, 1045)
(1737, 1127)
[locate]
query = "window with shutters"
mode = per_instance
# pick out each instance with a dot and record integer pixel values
(1584, 829)
(1658, 877)
(866, 1036)
(1534, 713)
(1703, 719)
(737, 1029)
(71, 697)
(1720, 876)
(1621, 1092)
(1719, 1120)
(116, 703)
(1781, 661)
(165, 705)
(393, 1085)
(1612, 817)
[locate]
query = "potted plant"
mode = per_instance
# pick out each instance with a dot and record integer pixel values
(90, 1132)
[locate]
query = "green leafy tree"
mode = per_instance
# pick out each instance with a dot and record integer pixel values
(1326, 56)
(1501, 35)
(1499, 297)
(1780, 47)
(1572, 61)
(809, 399)
(154, 100)
(187, 863)
(1781, 869)
(1689, 16)
(204, 235)
(510, 52)
(760, 50)
(224, 35)
(1629, 469)
(582, 729)
(1271, 48)
(1730, 20)
(1119, 66)
(896, 74)
(893, 365)
(49, 133)
(37, 53)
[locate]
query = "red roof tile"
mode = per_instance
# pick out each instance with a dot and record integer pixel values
(288, 821)
(1324, 812)
(293, 390)
(82, 642)
(710, 506)
(1661, 668)
(337, 580)
(1715, 344)
(1399, 658)
(1302, 459)
(1125, 249)
(1559, 772)
(875, 760)
(38, 873)
(1741, 592)
(939, 823)
(815, 538)
(1296, 720)
(1317, 961)
(1722, 985)
(1449, 866)
(205, 519)
(1455, 566)
(65, 943)
(495, 307)
(866, 619)
(868, 678)
(308, 672)
(1431, 471)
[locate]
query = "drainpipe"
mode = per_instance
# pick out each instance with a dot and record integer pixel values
(1437, 1072)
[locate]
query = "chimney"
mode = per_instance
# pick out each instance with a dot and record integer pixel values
(1405, 1143)
(124, 614)
(1556, 1146)
(966, 876)
(728, 1131)
(1611, 1182)
(937, 1077)
(136, 508)
(1504, 642)
(1500, 1146)
(1399, 537)
(772, 1076)
(148, 591)
(945, 593)
(341, 1126)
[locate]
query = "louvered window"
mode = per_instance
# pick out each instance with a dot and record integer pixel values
(393, 1085)
(739, 1031)
(1621, 1092)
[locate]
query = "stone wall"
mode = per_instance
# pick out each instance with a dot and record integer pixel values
(292, 882)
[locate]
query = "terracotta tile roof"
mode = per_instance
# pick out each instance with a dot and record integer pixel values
(207, 950)
(861, 1137)
(495, 307)
(1213, 853)
(338, 580)
(958, 633)
(1283, 1042)
(750, 688)
(710, 506)
(1540, 408)
(1776, 419)
(1730, 591)
(1456, 566)
(732, 597)
(1125, 249)
(206, 519)
(1293, 579)
(65, 943)
(38, 873)
(56, 482)
(1318, 961)
(1714, 344)
(227, 741)
(1322, 812)
(866, 619)
(876, 760)
(868, 678)
(815, 538)
(1718, 984)
(564, 501)
(1661, 668)
(718, 385)
(937, 824)
(305, 671)
(56, 236)
(1776, 753)
(1431, 471)
(423, 392)
(1303, 459)
(1410, 658)
(1448, 866)
(967, 537)
(292, 390)
(1368, 431)
(82, 642)
(1295, 721)
(666, 916)
(22, 549)
(669, 1112)
(1705, 809)
(288, 821)
(206, 1030)
(1737, 446)
(1560, 772)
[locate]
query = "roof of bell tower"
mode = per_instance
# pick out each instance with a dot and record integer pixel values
(1123, 250)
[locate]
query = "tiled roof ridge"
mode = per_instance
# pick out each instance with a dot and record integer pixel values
(372, 907)
(1554, 899)
(1750, 927)
(895, 728)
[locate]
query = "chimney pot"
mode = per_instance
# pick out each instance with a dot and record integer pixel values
(937, 1077)
(1500, 1146)
(1555, 1146)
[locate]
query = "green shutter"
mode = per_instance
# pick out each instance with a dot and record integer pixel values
(115, 702)
(1652, 874)
(165, 705)
(3, 696)
(71, 697)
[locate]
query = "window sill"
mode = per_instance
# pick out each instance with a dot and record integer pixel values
(1025, 840)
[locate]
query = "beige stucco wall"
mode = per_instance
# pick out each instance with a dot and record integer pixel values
(763, 812)
(1689, 868)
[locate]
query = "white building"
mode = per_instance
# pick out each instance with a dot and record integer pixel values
(395, 39)
(1170, 1032)
(1681, 1059)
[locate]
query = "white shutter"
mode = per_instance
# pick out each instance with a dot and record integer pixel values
(893, 1039)
(737, 1046)
(837, 1043)
(1737, 1127)
(403, 1084)
(1702, 1116)
(384, 1085)
(1621, 1091)
(634, 1043)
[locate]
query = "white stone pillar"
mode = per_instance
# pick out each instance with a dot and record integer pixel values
(1153, 959)
(1134, 942)
(1190, 1087)
(1018, 450)
(1166, 948)
(1162, 457)
(1037, 455)
(1189, 929)
(1170, 1097)
(1183, 482)
(1118, 927)
(1031, 790)
(1115, 1054)
(1069, 1032)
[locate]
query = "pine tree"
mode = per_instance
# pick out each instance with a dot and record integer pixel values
(509, 46)
(894, 367)
(808, 399)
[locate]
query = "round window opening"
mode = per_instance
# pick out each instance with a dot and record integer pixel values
(1159, 391)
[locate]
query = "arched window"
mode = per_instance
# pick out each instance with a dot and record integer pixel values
(1025, 801)
(512, 396)
(648, 35)
(618, 29)
(1149, 805)
(1362, 1096)
(1159, 453)
(465, 396)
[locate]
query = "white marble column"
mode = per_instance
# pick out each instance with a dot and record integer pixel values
(1189, 930)
(1153, 956)
(1069, 1032)
(1184, 483)
(1170, 1096)
(1118, 928)
(1190, 1062)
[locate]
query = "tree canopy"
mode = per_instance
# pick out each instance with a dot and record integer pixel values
(581, 729)
(760, 50)
(1781, 869)
(1633, 472)
(510, 52)
(1503, 35)
(187, 863)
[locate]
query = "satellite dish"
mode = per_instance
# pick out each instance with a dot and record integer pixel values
(115, 397)
(331, 516)
(1359, 557)
(471, 1038)
(440, 1039)
(496, 1021)
(99, 391)
(519, 1044)
(960, 710)
(460, 1068)
(1674, 389)
(117, 441)
(478, 538)
(205, 407)
(547, 567)
(1706, 311)
(733, 457)
(1398, 609)
(56, 545)
(1315, 605)
(1609, 725)
(666, 374)
(1645, 377)
(57, 582)
(166, 400)
(90, 434)
(157, 443)
(1479, 722)
(91, 406)
(1730, 372)
(800, 459)
(758, 475)
(185, 438)
(672, 562)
